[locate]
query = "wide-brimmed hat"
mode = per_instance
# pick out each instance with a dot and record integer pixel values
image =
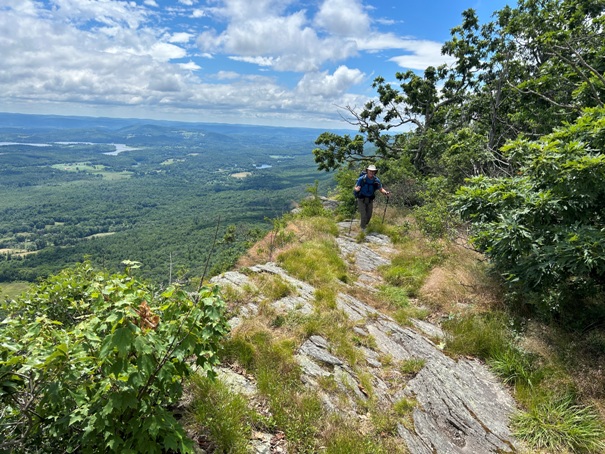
(372, 167)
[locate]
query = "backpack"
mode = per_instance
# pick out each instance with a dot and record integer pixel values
(356, 194)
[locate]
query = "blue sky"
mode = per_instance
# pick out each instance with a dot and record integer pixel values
(270, 62)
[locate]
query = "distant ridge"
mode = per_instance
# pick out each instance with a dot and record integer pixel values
(36, 121)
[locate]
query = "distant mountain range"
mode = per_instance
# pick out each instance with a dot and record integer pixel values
(35, 121)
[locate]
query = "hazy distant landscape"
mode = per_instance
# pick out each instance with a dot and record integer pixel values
(151, 191)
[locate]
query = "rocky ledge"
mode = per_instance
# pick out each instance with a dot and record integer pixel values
(460, 407)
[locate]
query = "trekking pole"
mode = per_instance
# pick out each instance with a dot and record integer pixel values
(385, 209)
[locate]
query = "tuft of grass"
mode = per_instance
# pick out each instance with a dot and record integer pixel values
(404, 406)
(515, 367)
(342, 437)
(411, 366)
(317, 262)
(296, 411)
(560, 426)
(273, 286)
(398, 302)
(482, 335)
(224, 414)
(409, 269)
(396, 297)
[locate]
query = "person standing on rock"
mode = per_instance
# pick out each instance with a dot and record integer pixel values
(365, 187)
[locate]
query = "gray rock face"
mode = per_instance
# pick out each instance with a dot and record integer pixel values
(461, 406)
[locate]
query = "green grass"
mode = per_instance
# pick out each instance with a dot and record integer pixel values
(273, 286)
(399, 302)
(484, 336)
(559, 426)
(411, 366)
(295, 410)
(317, 262)
(408, 270)
(515, 367)
(12, 290)
(224, 414)
(346, 441)
(553, 418)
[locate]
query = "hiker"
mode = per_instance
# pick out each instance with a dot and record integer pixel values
(364, 190)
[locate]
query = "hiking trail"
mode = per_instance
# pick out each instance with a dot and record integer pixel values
(461, 406)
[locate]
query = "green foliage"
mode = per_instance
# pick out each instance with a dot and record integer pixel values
(411, 366)
(345, 180)
(312, 205)
(559, 426)
(434, 216)
(91, 361)
(544, 227)
(296, 411)
(515, 367)
(165, 215)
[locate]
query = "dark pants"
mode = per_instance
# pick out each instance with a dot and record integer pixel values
(366, 206)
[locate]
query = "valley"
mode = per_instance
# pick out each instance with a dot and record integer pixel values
(154, 192)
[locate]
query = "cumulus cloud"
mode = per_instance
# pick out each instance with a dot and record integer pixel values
(190, 66)
(108, 13)
(343, 18)
(117, 53)
(330, 85)
(286, 43)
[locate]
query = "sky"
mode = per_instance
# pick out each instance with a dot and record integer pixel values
(266, 62)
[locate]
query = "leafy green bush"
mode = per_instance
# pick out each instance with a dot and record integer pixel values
(434, 216)
(544, 227)
(91, 362)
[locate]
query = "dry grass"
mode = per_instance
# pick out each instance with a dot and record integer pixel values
(460, 284)
(278, 241)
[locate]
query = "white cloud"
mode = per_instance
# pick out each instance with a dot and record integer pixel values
(188, 2)
(227, 75)
(115, 54)
(330, 86)
(190, 66)
(197, 13)
(260, 61)
(285, 43)
(181, 38)
(109, 13)
(423, 54)
(343, 18)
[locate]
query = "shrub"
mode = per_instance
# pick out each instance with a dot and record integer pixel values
(91, 362)
(543, 227)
